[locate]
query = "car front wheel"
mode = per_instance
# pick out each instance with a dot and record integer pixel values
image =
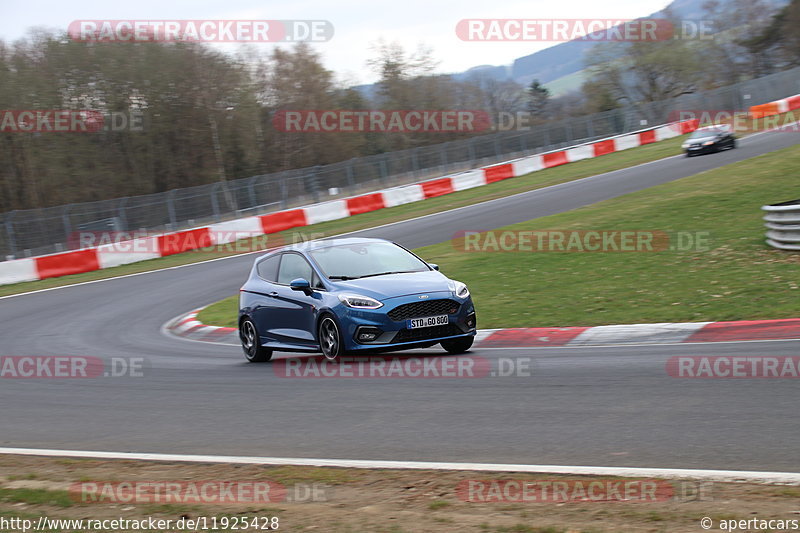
(457, 346)
(330, 340)
(253, 351)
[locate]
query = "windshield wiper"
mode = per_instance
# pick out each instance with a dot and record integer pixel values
(387, 273)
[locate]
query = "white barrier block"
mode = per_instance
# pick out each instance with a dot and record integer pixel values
(17, 271)
(468, 180)
(667, 132)
(234, 230)
(585, 151)
(626, 141)
(328, 211)
(402, 195)
(126, 252)
(783, 105)
(524, 165)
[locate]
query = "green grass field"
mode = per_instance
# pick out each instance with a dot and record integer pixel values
(733, 275)
(534, 180)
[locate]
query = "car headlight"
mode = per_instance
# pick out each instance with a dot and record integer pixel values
(357, 301)
(685, 145)
(708, 143)
(459, 289)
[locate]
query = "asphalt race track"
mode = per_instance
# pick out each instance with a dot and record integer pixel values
(611, 406)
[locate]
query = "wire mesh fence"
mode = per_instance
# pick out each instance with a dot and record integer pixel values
(31, 232)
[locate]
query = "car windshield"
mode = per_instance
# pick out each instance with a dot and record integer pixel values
(699, 134)
(361, 260)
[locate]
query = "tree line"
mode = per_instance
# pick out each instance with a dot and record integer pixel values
(206, 116)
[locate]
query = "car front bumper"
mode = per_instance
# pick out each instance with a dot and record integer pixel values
(389, 331)
(699, 150)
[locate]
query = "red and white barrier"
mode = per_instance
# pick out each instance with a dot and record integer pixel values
(784, 105)
(142, 249)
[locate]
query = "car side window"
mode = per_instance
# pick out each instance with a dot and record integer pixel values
(294, 266)
(268, 268)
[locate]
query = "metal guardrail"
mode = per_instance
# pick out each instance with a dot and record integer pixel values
(783, 222)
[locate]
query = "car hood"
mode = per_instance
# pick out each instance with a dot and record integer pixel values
(394, 285)
(701, 140)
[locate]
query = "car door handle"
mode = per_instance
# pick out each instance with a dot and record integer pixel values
(272, 294)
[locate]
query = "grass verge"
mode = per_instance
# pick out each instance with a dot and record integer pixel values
(534, 180)
(729, 275)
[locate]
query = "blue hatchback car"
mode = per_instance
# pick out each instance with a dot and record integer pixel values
(351, 295)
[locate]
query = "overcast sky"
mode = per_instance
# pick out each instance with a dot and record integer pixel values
(357, 23)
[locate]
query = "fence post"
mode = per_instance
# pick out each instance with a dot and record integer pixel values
(215, 201)
(350, 177)
(173, 222)
(251, 191)
(284, 193)
(65, 220)
(384, 170)
(12, 243)
(121, 214)
(311, 183)
(443, 158)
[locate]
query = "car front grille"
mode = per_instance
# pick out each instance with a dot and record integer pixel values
(423, 309)
(421, 334)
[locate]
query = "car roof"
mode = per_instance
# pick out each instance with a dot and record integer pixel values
(307, 246)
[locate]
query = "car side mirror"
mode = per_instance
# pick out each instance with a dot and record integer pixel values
(300, 284)
(434, 266)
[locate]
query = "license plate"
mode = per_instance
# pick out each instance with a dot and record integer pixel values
(427, 322)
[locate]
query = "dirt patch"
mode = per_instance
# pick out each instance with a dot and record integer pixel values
(359, 500)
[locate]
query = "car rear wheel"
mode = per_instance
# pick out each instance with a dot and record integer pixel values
(330, 340)
(253, 351)
(457, 346)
